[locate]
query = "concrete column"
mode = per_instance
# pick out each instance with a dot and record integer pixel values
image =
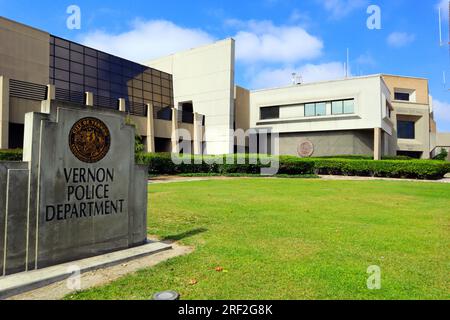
(198, 133)
(89, 97)
(175, 138)
(51, 95)
(150, 129)
(4, 112)
(377, 153)
(51, 92)
(122, 105)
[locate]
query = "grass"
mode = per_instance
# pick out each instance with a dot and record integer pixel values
(296, 239)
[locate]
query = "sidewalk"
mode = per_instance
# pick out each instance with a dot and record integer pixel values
(172, 179)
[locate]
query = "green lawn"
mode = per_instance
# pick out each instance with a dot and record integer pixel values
(296, 239)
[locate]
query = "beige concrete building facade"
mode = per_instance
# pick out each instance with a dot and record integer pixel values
(443, 142)
(343, 117)
(36, 67)
(412, 113)
(203, 80)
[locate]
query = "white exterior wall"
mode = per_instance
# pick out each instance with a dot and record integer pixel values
(205, 76)
(369, 94)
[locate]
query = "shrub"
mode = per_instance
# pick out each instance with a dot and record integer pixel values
(442, 156)
(11, 155)
(409, 169)
(412, 169)
(365, 157)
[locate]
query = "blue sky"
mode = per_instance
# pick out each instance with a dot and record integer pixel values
(273, 37)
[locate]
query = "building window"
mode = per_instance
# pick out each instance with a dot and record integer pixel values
(268, 113)
(349, 106)
(402, 96)
(406, 130)
(315, 109)
(321, 109)
(337, 107)
(310, 110)
(76, 69)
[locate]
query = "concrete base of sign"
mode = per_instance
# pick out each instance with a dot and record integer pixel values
(27, 281)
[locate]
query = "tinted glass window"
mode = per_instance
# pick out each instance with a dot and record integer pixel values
(62, 75)
(79, 69)
(349, 106)
(62, 63)
(270, 113)
(76, 56)
(406, 129)
(310, 110)
(337, 107)
(402, 96)
(321, 109)
(76, 67)
(62, 53)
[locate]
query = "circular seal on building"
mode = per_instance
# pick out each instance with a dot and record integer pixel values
(305, 149)
(89, 140)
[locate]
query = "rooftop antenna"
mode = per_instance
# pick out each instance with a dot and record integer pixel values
(296, 79)
(293, 79)
(441, 41)
(440, 28)
(347, 64)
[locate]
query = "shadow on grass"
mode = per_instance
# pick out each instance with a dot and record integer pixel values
(184, 235)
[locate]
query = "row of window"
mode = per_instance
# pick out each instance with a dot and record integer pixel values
(117, 76)
(313, 109)
(68, 50)
(78, 68)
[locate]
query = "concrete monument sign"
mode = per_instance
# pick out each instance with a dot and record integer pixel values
(78, 192)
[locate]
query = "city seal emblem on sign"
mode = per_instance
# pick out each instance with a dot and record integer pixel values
(89, 140)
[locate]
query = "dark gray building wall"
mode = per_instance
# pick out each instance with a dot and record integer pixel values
(330, 143)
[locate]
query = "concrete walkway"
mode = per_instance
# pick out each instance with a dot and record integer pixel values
(52, 283)
(173, 179)
(346, 178)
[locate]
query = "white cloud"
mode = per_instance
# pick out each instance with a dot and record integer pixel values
(442, 114)
(366, 59)
(400, 39)
(148, 40)
(269, 78)
(262, 41)
(341, 8)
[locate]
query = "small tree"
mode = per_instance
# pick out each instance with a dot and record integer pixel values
(138, 140)
(442, 155)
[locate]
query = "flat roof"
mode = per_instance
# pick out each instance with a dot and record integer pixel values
(320, 82)
(400, 76)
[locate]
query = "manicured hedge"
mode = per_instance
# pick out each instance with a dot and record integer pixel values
(412, 169)
(366, 157)
(11, 155)
(161, 163)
